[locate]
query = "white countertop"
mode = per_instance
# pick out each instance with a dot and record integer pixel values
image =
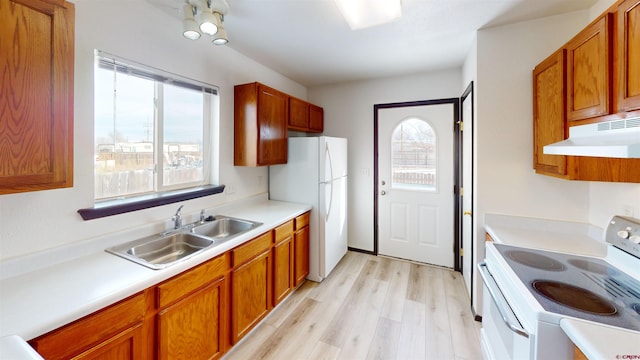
(597, 341)
(44, 291)
(543, 234)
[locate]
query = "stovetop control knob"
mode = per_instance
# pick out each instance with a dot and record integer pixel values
(623, 234)
(635, 239)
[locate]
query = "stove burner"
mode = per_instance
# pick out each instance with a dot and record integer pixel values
(591, 266)
(535, 260)
(574, 297)
(636, 307)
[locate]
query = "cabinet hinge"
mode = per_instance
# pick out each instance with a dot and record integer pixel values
(461, 252)
(461, 125)
(461, 191)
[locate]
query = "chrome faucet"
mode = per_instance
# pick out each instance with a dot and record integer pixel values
(202, 216)
(177, 219)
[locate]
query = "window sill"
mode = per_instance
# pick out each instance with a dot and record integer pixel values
(115, 207)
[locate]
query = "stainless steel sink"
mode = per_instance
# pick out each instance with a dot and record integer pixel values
(158, 252)
(166, 249)
(224, 227)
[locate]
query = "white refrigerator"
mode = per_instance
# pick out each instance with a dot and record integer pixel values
(316, 174)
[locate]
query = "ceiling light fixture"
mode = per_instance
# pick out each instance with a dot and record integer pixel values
(207, 22)
(209, 15)
(362, 14)
(190, 27)
(221, 37)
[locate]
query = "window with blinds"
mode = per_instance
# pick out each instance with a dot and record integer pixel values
(152, 129)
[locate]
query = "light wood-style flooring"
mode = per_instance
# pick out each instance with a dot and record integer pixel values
(370, 308)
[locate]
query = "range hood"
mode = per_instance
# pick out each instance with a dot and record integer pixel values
(613, 139)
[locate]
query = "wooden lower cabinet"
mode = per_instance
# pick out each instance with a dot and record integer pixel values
(192, 320)
(198, 314)
(125, 345)
(111, 333)
(250, 295)
(283, 254)
(301, 249)
(194, 327)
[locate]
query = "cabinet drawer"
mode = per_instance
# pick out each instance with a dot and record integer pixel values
(191, 280)
(283, 231)
(302, 221)
(255, 247)
(80, 335)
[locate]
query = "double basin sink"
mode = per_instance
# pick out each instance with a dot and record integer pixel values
(166, 249)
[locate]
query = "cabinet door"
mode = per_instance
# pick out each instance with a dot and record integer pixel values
(629, 55)
(113, 331)
(316, 118)
(36, 124)
(301, 262)
(589, 71)
(272, 126)
(549, 123)
(250, 294)
(283, 261)
(282, 270)
(195, 327)
(298, 114)
(124, 346)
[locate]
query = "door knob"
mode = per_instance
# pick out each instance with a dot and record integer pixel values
(466, 212)
(383, 193)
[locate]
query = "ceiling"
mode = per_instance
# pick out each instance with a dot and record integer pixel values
(309, 41)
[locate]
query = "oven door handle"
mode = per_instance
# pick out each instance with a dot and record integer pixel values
(501, 303)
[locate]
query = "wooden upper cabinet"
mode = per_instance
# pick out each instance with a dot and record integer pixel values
(549, 121)
(304, 116)
(316, 118)
(36, 101)
(260, 125)
(628, 29)
(589, 68)
(298, 114)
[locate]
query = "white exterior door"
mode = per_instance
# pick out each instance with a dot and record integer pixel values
(415, 183)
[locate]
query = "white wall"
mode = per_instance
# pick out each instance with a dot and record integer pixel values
(349, 113)
(607, 199)
(470, 74)
(504, 176)
(506, 180)
(135, 30)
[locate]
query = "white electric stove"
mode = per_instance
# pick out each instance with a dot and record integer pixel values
(529, 291)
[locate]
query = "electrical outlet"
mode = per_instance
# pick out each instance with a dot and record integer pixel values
(229, 189)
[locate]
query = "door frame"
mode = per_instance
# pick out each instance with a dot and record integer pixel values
(468, 93)
(456, 166)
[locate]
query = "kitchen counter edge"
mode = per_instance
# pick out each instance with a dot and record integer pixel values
(36, 302)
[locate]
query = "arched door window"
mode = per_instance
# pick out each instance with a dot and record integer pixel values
(413, 155)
